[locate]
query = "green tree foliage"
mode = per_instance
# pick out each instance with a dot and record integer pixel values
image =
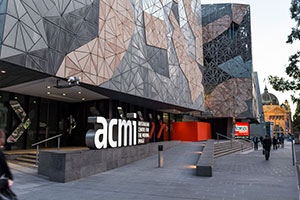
(292, 70)
(296, 121)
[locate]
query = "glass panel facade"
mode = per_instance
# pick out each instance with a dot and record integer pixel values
(49, 118)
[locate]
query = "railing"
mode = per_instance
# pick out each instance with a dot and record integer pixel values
(43, 141)
(231, 139)
(224, 136)
(250, 141)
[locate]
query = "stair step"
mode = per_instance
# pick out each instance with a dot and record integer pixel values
(228, 147)
(26, 160)
(219, 154)
(25, 164)
(33, 157)
(31, 154)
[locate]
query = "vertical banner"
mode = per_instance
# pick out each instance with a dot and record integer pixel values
(25, 122)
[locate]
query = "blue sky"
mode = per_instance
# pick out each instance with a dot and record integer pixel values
(270, 24)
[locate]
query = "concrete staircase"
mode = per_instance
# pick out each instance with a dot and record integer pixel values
(28, 160)
(224, 147)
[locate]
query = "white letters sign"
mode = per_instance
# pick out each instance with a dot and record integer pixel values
(126, 133)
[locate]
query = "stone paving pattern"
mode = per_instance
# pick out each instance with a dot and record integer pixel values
(239, 176)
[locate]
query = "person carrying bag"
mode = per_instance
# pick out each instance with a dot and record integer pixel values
(6, 178)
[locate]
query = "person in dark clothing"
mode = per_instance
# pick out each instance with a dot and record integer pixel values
(255, 141)
(267, 146)
(7, 181)
(274, 143)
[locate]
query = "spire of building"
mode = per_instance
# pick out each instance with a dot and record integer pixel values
(266, 89)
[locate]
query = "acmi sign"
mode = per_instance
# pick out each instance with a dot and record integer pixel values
(104, 136)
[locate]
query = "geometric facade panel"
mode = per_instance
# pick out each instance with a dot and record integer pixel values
(236, 67)
(38, 34)
(158, 60)
(230, 94)
(238, 12)
(155, 29)
(216, 28)
(170, 51)
(188, 65)
(3, 7)
(228, 60)
(96, 61)
(212, 12)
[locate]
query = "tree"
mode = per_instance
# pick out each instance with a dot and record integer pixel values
(292, 70)
(296, 121)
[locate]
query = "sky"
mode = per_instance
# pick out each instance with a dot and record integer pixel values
(270, 25)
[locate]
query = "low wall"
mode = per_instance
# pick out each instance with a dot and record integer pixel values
(204, 166)
(64, 166)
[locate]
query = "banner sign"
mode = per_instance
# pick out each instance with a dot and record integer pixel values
(241, 129)
(25, 122)
(116, 133)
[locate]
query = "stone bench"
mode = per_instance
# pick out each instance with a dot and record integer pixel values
(205, 163)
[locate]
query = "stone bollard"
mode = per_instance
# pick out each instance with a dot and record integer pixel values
(160, 156)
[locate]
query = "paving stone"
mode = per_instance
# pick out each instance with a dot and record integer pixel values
(238, 176)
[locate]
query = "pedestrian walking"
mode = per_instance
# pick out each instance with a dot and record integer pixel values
(278, 141)
(267, 146)
(255, 141)
(274, 143)
(6, 178)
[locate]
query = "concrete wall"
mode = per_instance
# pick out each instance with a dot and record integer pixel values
(64, 166)
(258, 130)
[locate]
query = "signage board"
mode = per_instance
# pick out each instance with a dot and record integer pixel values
(143, 132)
(116, 133)
(25, 122)
(241, 129)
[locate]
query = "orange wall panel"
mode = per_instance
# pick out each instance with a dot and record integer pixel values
(191, 131)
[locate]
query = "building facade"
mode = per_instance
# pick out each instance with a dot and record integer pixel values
(278, 115)
(228, 79)
(159, 59)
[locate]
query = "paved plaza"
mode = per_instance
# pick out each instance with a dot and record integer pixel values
(239, 176)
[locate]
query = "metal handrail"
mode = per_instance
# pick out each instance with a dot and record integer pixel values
(219, 134)
(231, 139)
(46, 140)
(43, 141)
(251, 142)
